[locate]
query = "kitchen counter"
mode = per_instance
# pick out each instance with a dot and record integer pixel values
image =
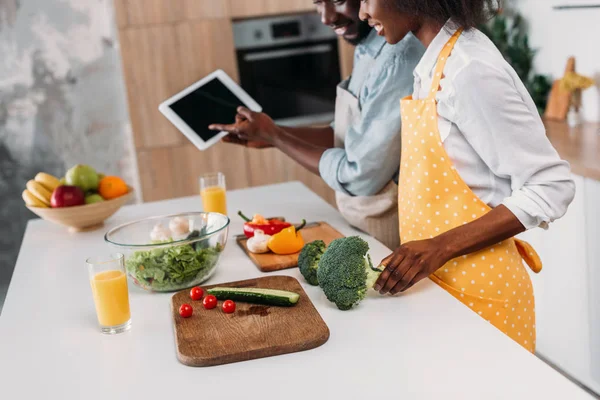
(421, 345)
(580, 146)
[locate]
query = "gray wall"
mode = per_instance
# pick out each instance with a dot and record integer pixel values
(62, 102)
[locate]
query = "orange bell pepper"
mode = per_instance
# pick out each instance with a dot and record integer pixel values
(288, 241)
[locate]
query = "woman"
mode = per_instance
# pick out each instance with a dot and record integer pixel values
(476, 166)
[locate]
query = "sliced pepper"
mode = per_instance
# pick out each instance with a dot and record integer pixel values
(288, 241)
(268, 226)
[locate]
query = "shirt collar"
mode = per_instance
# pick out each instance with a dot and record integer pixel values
(373, 44)
(427, 64)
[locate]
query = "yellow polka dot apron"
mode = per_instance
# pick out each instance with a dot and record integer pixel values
(433, 199)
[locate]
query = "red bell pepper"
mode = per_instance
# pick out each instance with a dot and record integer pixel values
(268, 226)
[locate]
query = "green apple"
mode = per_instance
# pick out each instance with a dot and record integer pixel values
(82, 176)
(93, 198)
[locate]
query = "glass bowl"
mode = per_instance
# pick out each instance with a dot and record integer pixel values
(171, 252)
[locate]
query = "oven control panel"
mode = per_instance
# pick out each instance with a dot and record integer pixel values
(273, 31)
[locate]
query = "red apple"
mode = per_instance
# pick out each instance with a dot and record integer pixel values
(67, 196)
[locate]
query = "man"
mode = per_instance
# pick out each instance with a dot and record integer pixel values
(359, 154)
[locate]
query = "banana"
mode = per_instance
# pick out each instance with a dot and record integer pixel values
(39, 191)
(31, 200)
(48, 181)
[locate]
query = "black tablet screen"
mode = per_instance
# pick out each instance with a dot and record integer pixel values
(211, 103)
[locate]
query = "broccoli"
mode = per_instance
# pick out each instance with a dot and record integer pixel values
(308, 260)
(345, 272)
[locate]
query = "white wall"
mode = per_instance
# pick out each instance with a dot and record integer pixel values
(561, 34)
(62, 102)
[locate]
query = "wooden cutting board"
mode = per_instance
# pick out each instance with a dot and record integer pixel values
(211, 337)
(269, 262)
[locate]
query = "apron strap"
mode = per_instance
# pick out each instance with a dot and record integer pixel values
(529, 254)
(441, 64)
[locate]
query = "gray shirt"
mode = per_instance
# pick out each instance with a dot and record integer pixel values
(371, 154)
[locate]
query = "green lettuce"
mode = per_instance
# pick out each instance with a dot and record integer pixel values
(172, 268)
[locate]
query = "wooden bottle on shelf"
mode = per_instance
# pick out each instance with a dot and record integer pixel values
(559, 100)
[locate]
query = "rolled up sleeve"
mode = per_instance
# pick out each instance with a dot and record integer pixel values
(371, 154)
(508, 134)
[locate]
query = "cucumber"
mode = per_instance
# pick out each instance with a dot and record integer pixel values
(271, 297)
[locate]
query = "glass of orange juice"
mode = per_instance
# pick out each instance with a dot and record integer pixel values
(109, 287)
(213, 194)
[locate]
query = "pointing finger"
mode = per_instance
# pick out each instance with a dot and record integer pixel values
(246, 113)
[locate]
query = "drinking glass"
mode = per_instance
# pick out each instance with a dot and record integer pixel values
(111, 296)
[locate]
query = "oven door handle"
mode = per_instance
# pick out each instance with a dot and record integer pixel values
(275, 54)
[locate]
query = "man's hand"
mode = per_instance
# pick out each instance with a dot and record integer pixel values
(251, 129)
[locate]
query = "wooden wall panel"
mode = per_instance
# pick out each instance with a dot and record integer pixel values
(152, 12)
(267, 166)
(168, 44)
(149, 12)
(171, 172)
(257, 8)
(152, 67)
(161, 60)
(156, 174)
(314, 182)
(204, 46)
(121, 17)
(206, 9)
(189, 163)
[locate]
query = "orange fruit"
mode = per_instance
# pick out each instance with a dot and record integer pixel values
(111, 187)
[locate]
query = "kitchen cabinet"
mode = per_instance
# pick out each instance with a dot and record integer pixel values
(160, 60)
(150, 12)
(168, 45)
(120, 13)
(257, 8)
(592, 195)
(168, 172)
(281, 169)
(566, 290)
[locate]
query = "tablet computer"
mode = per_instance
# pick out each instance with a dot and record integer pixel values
(213, 99)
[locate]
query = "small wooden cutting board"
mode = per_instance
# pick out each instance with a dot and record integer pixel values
(269, 262)
(211, 337)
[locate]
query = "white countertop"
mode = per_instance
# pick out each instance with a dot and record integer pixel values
(421, 345)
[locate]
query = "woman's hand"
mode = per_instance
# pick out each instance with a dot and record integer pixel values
(251, 129)
(409, 264)
(414, 261)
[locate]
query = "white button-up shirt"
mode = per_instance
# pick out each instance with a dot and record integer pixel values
(492, 131)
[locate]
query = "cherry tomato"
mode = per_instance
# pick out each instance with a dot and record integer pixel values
(228, 306)
(209, 302)
(196, 293)
(186, 310)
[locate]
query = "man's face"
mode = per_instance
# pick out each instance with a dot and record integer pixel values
(342, 17)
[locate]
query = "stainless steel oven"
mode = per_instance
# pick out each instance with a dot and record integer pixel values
(290, 66)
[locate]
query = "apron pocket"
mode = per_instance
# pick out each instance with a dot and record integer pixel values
(492, 310)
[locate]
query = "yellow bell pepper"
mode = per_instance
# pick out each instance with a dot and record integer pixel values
(288, 241)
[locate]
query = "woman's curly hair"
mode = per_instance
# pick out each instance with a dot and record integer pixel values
(465, 14)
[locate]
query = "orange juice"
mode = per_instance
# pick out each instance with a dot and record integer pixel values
(111, 298)
(214, 199)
